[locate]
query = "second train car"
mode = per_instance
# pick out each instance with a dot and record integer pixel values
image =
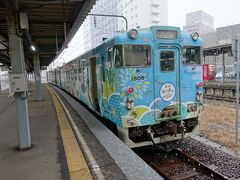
(146, 81)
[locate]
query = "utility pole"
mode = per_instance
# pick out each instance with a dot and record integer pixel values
(223, 66)
(236, 53)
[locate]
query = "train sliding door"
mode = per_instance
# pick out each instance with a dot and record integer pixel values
(94, 88)
(167, 82)
(104, 87)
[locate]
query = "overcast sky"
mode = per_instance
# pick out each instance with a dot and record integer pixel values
(225, 12)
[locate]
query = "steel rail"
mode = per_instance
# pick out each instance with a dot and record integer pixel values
(199, 167)
(214, 174)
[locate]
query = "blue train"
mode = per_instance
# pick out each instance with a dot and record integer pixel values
(148, 82)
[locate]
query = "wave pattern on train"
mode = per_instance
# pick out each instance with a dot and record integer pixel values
(146, 81)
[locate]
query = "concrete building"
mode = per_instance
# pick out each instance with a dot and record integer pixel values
(98, 28)
(139, 15)
(200, 22)
(144, 14)
(222, 36)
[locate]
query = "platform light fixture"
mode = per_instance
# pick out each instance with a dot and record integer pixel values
(33, 48)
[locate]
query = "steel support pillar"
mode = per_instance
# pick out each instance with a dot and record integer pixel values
(223, 66)
(236, 54)
(17, 62)
(37, 76)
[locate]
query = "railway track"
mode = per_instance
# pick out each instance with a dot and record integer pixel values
(220, 98)
(177, 165)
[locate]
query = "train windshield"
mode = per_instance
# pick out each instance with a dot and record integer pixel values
(191, 55)
(132, 55)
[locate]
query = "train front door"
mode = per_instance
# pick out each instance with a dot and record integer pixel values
(166, 76)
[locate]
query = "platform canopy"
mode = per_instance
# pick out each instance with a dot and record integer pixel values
(51, 25)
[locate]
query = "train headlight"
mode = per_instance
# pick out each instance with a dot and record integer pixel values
(195, 36)
(199, 97)
(130, 103)
(133, 33)
(192, 107)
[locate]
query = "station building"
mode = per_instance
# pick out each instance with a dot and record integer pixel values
(222, 36)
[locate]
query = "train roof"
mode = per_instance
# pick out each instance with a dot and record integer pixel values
(146, 36)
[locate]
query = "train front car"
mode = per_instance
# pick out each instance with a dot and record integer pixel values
(157, 79)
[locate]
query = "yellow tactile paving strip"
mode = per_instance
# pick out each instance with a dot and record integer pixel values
(78, 169)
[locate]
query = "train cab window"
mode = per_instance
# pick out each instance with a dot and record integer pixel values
(167, 61)
(132, 55)
(191, 55)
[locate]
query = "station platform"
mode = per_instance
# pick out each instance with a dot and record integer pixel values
(67, 143)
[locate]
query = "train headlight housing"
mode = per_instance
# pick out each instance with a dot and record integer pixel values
(192, 107)
(133, 33)
(130, 103)
(195, 36)
(199, 97)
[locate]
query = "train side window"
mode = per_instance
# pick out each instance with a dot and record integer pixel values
(103, 69)
(83, 74)
(75, 74)
(109, 54)
(79, 74)
(167, 61)
(137, 55)
(118, 57)
(191, 55)
(129, 55)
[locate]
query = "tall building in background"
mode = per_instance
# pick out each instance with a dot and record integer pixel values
(139, 15)
(200, 22)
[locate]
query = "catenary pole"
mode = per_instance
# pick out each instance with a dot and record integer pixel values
(112, 15)
(236, 55)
